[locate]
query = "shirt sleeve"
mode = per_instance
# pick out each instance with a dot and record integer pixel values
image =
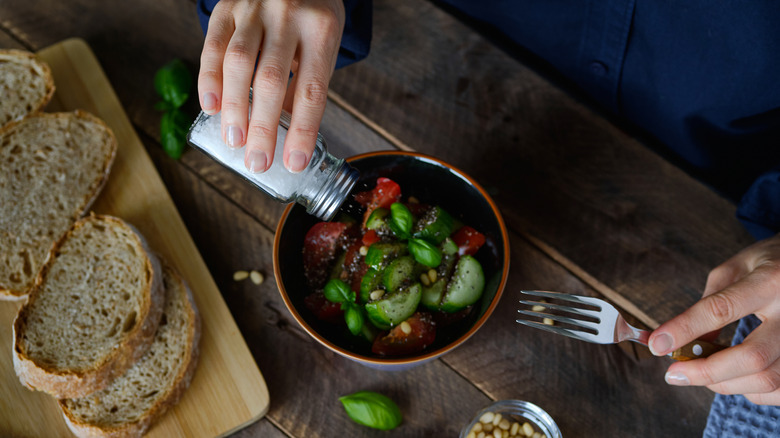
(759, 208)
(355, 41)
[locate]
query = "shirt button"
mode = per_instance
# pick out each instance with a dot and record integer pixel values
(598, 68)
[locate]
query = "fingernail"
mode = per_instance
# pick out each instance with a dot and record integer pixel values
(235, 138)
(661, 345)
(257, 161)
(296, 162)
(676, 379)
(209, 102)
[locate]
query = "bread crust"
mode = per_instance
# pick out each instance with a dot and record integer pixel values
(175, 391)
(63, 383)
(11, 294)
(40, 67)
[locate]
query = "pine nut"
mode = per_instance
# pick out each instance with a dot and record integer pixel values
(548, 321)
(471, 435)
(477, 427)
(504, 424)
(538, 308)
(432, 275)
(240, 275)
(538, 435)
(487, 417)
(515, 427)
(496, 419)
(377, 294)
(497, 433)
(481, 435)
(406, 328)
(256, 277)
(363, 250)
(528, 430)
(425, 280)
(488, 427)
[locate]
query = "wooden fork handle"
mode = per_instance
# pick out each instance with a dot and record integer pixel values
(696, 350)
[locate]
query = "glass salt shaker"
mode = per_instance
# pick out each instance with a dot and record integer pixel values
(321, 187)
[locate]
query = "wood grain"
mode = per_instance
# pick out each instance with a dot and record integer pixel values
(228, 390)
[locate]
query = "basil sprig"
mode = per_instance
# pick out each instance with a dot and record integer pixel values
(372, 409)
(401, 222)
(173, 82)
(425, 253)
(336, 291)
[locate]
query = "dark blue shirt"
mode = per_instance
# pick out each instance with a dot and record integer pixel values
(701, 76)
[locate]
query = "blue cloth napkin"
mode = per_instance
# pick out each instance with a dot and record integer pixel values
(734, 415)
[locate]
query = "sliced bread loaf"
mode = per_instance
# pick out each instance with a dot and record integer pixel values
(93, 312)
(26, 85)
(133, 401)
(52, 166)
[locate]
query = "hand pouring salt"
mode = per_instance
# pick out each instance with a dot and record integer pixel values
(322, 187)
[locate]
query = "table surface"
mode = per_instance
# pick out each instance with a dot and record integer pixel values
(589, 207)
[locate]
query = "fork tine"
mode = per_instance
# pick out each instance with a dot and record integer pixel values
(582, 336)
(574, 310)
(571, 321)
(566, 297)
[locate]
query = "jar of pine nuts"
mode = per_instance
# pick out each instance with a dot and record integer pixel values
(511, 419)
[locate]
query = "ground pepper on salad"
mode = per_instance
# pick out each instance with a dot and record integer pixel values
(394, 275)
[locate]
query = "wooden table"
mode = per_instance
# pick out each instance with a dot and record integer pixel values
(590, 210)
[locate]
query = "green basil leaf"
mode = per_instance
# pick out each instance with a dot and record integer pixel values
(372, 409)
(425, 253)
(173, 82)
(401, 220)
(354, 318)
(173, 132)
(336, 291)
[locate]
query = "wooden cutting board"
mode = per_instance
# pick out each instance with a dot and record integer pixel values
(228, 392)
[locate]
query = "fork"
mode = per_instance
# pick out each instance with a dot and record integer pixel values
(605, 325)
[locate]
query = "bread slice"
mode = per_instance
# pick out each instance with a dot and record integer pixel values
(133, 401)
(26, 85)
(93, 312)
(52, 166)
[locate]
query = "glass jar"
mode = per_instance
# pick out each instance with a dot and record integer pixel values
(521, 412)
(321, 187)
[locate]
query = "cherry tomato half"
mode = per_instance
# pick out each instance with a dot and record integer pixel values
(396, 342)
(468, 240)
(319, 250)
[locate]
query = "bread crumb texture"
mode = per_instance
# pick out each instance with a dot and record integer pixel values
(90, 299)
(139, 392)
(51, 167)
(23, 83)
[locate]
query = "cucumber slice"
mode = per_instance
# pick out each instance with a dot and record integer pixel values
(434, 226)
(371, 281)
(432, 295)
(449, 247)
(394, 307)
(377, 219)
(381, 253)
(465, 286)
(399, 272)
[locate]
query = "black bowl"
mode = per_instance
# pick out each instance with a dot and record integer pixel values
(433, 182)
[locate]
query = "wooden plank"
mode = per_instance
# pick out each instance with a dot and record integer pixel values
(557, 169)
(228, 390)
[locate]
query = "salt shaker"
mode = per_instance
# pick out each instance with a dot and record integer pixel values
(321, 187)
